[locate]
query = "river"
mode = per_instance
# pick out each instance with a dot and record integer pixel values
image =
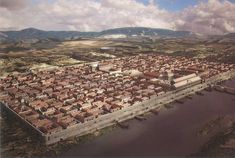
(171, 133)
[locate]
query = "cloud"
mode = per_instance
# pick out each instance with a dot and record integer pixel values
(93, 15)
(13, 4)
(213, 17)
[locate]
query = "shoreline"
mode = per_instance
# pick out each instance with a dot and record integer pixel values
(62, 147)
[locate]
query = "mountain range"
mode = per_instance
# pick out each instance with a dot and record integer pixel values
(33, 33)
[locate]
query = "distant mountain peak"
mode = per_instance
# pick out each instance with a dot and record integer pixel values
(31, 29)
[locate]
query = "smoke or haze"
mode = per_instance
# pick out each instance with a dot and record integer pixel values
(208, 17)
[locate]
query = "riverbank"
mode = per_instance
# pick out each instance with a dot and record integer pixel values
(173, 132)
(16, 141)
(222, 143)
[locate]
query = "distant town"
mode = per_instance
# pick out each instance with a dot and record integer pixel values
(58, 101)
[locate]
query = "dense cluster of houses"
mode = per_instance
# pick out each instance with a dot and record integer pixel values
(61, 98)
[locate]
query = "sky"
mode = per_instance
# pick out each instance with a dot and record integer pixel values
(198, 16)
(173, 5)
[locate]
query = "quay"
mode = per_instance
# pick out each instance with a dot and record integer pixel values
(199, 93)
(189, 97)
(140, 118)
(179, 101)
(225, 89)
(122, 125)
(154, 111)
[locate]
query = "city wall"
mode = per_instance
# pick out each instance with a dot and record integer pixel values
(132, 111)
(124, 114)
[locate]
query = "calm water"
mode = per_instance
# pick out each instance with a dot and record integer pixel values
(171, 133)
